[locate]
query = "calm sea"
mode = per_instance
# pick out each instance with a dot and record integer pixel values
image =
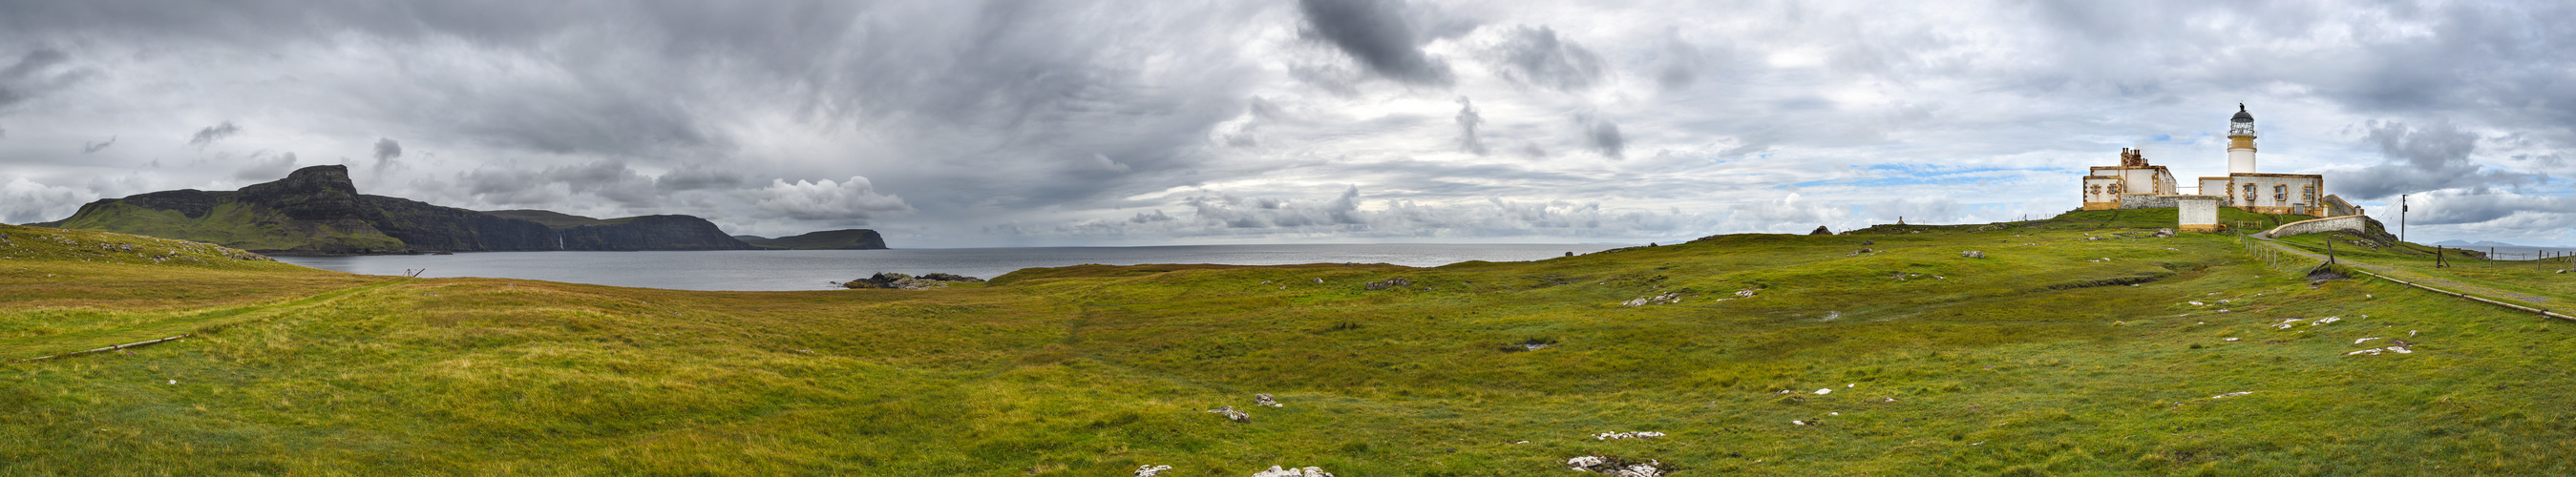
(751, 270)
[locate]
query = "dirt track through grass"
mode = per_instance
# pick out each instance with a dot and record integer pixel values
(170, 324)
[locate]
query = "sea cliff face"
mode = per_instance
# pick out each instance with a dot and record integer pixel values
(429, 227)
(317, 210)
(845, 239)
(651, 232)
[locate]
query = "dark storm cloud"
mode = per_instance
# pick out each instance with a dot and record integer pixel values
(1682, 64)
(698, 177)
(33, 74)
(2419, 158)
(1050, 112)
(1604, 137)
(94, 147)
(386, 149)
(1536, 56)
(210, 134)
(1467, 120)
(1376, 33)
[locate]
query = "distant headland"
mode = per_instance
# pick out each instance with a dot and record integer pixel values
(318, 211)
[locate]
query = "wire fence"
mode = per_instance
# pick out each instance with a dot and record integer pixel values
(2275, 258)
(2547, 260)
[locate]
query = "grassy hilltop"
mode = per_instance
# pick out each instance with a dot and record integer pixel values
(2075, 347)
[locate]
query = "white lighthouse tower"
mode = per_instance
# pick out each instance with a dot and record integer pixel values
(2240, 142)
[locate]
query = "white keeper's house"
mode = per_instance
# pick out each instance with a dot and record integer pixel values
(2135, 184)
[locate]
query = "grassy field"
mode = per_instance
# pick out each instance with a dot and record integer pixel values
(235, 224)
(2074, 347)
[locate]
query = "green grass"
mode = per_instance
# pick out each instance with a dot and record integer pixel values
(235, 224)
(2057, 354)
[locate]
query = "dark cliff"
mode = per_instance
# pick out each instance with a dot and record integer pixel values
(845, 239)
(312, 194)
(651, 232)
(430, 227)
(318, 210)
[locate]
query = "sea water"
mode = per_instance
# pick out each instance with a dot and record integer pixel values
(776, 270)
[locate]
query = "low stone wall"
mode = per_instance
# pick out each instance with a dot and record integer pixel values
(2348, 223)
(2146, 201)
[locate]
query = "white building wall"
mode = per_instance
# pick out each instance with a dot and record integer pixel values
(2216, 187)
(2198, 212)
(2274, 192)
(2240, 161)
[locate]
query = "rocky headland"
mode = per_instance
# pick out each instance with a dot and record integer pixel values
(317, 210)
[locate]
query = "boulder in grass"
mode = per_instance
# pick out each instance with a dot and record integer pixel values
(1616, 466)
(1397, 282)
(1233, 414)
(1821, 230)
(1973, 254)
(1265, 400)
(1275, 471)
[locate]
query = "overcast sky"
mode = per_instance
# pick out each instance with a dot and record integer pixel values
(1074, 122)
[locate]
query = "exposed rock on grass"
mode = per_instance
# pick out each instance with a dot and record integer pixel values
(1151, 470)
(1973, 254)
(1232, 414)
(1617, 466)
(1625, 435)
(1667, 297)
(1532, 344)
(2394, 346)
(1275, 471)
(1265, 400)
(1397, 282)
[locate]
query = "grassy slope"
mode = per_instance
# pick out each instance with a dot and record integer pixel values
(231, 224)
(2019, 363)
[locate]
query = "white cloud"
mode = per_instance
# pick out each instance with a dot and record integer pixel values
(23, 201)
(851, 202)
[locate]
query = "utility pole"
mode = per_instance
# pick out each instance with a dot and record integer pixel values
(2401, 217)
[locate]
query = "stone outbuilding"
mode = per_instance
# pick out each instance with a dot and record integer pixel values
(2199, 213)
